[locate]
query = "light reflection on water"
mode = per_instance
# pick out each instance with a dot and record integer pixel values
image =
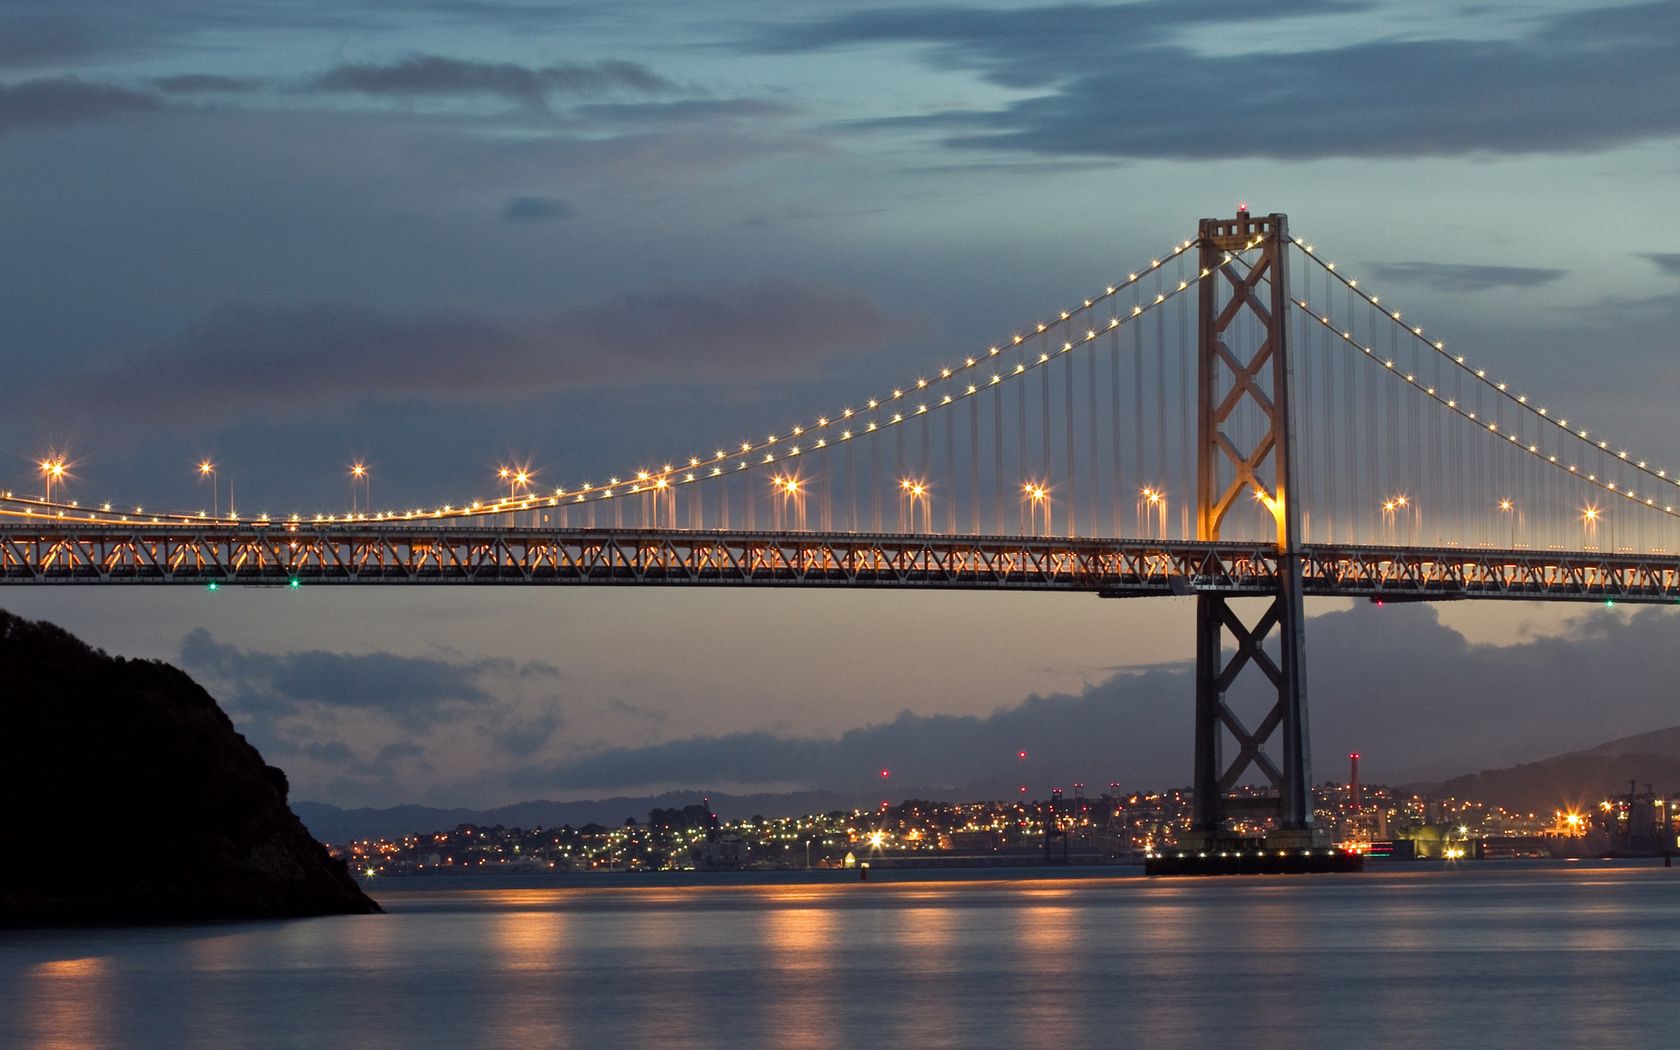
(70, 1010)
(1579, 955)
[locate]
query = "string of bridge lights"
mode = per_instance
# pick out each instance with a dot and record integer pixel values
(1498, 387)
(1453, 405)
(721, 464)
(757, 454)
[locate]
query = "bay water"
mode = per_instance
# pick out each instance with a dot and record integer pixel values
(1490, 954)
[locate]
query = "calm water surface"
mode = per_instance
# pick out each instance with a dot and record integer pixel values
(1546, 955)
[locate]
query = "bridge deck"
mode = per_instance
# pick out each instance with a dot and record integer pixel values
(286, 555)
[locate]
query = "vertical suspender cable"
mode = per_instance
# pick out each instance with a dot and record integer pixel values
(950, 472)
(1333, 491)
(851, 487)
(1307, 461)
(1072, 464)
(1022, 455)
(1350, 403)
(1160, 389)
(1371, 406)
(1187, 405)
(898, 472)
(1114, 424)
(998, 524)
(924, 469)
(974, 463)
(1137, 399)
(874, 479)
(1044, 420)
(1095, 497)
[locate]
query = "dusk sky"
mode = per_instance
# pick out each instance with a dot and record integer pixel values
(444, 235)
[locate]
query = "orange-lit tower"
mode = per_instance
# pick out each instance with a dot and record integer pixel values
(1245, 451)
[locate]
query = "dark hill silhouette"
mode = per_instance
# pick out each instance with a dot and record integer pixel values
(1662, 742)
(1580, 778)
(127, 796)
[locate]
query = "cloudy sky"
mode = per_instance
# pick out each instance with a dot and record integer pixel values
(441, 235)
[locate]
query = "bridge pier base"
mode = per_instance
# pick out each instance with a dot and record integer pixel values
(1226, 648)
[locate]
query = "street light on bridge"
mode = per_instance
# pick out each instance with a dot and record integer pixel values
(1035, 496)
(1508, 507)
(1396, 509)
(517, 478)
(791, 490)
(914, 492)
(54, 469)
(1152, 503)
(207, 469)
(360, 479)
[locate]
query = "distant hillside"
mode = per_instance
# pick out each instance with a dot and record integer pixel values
(1657, 742)
(127, 797)
(332, 824)
(1580, 778)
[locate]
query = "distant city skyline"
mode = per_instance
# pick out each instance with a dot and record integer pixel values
(436, 239)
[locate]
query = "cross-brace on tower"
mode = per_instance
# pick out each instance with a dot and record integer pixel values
(1241, 460)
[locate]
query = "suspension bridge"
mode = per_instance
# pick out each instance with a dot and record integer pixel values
(1234, 418)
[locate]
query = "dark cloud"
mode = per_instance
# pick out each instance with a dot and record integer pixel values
(416, 692)
(332, 752)
(64, 100)
(434, 76)
(1412, 694)
(1577, 81)
(397, 752)
(536, 209)
(1028, 46)
(1465, 277)
(355, 773)
(32, 40)
(522, 737)
(252, 363)
(40, 33)
(1667, 262)
(204, 84)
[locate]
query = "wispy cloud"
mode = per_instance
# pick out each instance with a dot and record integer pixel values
(1465, 277)
(536, 209)
(436, 76)
(415, 692)
(1575, 81)
(249, 363)
(684, 111)
(1667, 262)
(204, 84)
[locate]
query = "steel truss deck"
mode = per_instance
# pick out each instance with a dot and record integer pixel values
(339, 554)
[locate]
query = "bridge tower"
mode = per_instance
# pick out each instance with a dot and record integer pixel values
(1246, 452)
